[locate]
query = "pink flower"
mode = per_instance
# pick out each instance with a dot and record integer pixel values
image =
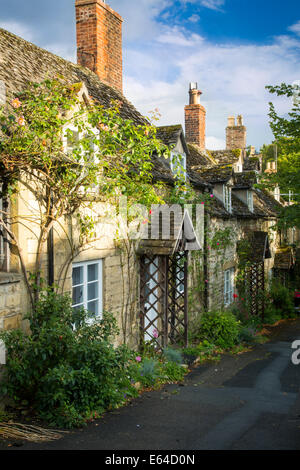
(21, 121)
(218, 243)
(104, 127)
(206, 280)
(16, 103)
(211, 195)
(202, 202)
(155, 333)
(138, 358)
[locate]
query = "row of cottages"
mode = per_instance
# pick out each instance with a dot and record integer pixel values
(239, 218)
(169, 278)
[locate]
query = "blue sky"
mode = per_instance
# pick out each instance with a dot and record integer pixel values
(232, 48)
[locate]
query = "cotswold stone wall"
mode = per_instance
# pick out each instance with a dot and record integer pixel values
(11, 295)
(219, 261)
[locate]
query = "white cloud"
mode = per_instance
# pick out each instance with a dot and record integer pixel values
(19, 29)
(176, 36)
(194, 18)
(295, 28)
(213, 4)
(232, 78)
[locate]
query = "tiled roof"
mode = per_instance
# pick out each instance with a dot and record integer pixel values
(169, 134)
(252, 164)
(22, 62)
(216, 175)
(284, 258)
(199, 158)
(244, 180)
(223, 157)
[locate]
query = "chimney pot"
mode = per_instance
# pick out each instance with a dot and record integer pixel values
(239, 120)
(231, 121)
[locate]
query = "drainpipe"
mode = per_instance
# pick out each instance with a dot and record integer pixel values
(50, 252)
(205, 262)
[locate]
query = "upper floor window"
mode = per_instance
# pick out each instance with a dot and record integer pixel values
(227, 198)
(178, 163)
(250, 200)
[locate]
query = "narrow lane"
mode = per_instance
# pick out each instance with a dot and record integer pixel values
(246, 401)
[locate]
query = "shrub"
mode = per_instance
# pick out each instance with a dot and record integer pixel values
(247, 334)
(67, 368)
(220, 328)
(282, 300)
(172, 355)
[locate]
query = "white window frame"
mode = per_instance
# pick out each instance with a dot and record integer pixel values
(85, 283)
(2, 254)
(4, 247)
(250, 200)
(227, 198)
(173, 162)
(228, 286)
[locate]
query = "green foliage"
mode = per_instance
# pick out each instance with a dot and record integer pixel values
(171, 372)
(69, 155)
(67, 368)
(220, 328)
(172, 355)
(247, 334)
(286, 131)
(282, 300)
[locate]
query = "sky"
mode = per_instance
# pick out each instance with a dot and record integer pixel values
(231, 48)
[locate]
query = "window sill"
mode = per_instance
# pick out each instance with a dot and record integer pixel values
(9, 278)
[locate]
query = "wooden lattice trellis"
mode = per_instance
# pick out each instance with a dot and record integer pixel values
(163, 299)
(255, 285)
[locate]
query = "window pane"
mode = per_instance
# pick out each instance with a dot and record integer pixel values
(77, 297)
(93, 307)
(93, 291)
(77, 276)
(92, 272)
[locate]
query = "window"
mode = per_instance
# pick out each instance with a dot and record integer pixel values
(87, 286)
(228, 286)
(250, 200)
(227, 198)
(178, 163)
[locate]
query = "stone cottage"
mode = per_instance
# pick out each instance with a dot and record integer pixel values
(168, 277)
(146, 294)
(239, 210)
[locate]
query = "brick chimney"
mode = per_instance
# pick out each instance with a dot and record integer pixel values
(235, 134)
(99, 40)
(195, 115)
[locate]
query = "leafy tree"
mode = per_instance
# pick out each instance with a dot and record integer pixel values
(69, 153)
(286, 130)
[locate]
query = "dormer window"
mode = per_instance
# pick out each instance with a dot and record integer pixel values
(227, 198)
(178, 163)
(250, 200)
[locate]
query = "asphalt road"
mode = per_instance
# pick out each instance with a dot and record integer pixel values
(249, 401)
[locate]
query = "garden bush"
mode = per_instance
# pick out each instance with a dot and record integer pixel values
(282, 300)
(220, 328)
(67, 368)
